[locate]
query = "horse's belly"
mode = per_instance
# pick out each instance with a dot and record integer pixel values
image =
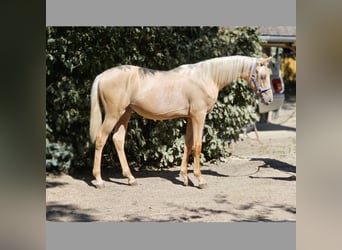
(160, 107)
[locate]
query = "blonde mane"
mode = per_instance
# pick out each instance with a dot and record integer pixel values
(225, 70)
(221, 70)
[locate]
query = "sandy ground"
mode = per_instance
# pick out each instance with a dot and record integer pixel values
(256, 183)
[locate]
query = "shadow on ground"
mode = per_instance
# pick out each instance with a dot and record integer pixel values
(62, 212)
(52, 184)
(278, 165)
(236, 213)
(109, 173)
(272, 127)
(70, 213)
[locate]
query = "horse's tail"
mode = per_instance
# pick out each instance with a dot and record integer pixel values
(95, 110)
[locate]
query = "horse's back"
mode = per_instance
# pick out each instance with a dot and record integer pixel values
(118, 77)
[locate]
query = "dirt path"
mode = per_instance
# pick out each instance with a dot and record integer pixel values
(257, 183)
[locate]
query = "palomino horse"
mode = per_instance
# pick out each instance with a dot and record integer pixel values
(187, 91)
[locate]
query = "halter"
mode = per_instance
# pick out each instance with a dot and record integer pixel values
(255, 82)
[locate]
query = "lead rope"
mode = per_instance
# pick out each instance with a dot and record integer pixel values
(248, 174)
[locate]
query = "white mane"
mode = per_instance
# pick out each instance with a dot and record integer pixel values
(224, 70)
(221, 70)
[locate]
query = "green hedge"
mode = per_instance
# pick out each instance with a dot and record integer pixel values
(75, 55)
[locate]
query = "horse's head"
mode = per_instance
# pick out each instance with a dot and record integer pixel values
(260, 80)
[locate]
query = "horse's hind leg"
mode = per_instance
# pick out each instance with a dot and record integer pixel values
(119, 141)
(101, 138)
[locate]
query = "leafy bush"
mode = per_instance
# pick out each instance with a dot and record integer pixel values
(75, 55)
(58, 155)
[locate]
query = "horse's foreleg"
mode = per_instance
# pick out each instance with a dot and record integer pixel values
(198, 124)
(187, 151)
(100, 141)
(119, 141)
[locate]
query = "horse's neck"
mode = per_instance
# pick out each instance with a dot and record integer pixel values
(228, 70)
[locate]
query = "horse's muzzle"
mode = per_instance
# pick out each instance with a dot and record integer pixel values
(267, 102)
(266, 98)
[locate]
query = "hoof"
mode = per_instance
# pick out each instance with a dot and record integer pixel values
(185, 179)
(132, 182)
(99, 185)
(202, 185)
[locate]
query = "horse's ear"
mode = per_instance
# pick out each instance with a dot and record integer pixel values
(264, 61)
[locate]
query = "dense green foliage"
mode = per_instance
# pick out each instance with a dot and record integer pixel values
(75, 55)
